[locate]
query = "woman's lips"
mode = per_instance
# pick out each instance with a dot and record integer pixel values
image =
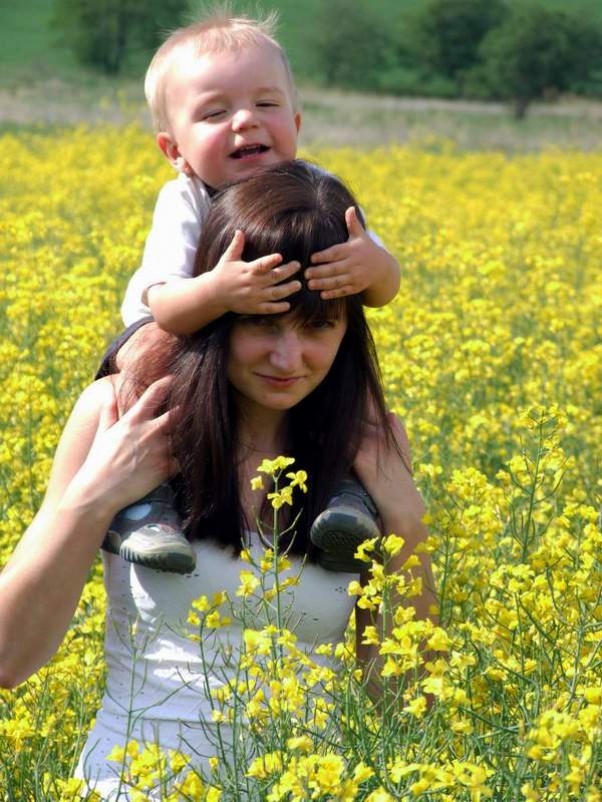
(279, 381)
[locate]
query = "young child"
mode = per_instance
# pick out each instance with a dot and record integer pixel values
(224, 105)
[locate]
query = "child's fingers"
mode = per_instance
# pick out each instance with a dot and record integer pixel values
(273, 307)
(280, 291)
(234, 250)
(332, 254)
(265, 263)
(354, 227)
(329, 295)
(278, 274)
(333, 282)
(329, 270)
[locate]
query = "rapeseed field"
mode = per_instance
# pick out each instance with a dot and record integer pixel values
(492, 354)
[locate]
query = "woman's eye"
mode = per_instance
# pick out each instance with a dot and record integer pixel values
(263, 321)
(321, 324)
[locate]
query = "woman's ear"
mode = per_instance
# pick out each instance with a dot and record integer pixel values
(169, 148)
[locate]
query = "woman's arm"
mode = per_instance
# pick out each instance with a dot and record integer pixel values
(387, 477)
(101, 465)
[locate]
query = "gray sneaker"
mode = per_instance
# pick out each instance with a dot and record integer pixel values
(350, 518)
(149, 533)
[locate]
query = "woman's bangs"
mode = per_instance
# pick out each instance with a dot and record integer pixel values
(308, 308)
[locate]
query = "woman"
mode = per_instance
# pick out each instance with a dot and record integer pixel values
(304, 384)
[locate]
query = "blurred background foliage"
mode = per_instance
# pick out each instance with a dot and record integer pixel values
(513, 50)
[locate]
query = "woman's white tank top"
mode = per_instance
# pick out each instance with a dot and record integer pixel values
(156, 689)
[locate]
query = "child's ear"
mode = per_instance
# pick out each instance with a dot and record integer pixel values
(171, 151)
(297, 119)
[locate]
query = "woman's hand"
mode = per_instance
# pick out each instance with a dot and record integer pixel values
(129, 456)
(384, 469)
(102, 464)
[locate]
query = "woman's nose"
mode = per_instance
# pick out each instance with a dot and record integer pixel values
(243, 118)
(286, 355)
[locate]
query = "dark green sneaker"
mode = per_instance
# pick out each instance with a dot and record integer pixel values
(149, 533)
(350, 518)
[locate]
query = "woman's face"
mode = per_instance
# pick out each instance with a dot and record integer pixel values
(276, 362)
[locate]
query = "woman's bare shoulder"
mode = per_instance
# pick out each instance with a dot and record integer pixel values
(99, 391)
(92, 398)
(78, 435)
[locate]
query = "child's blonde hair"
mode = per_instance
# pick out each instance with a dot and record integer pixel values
(217, 32)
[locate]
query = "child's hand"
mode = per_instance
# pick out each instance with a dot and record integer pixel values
(253, 288)
(347, 268)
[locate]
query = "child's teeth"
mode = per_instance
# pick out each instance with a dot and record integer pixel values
(250, 149)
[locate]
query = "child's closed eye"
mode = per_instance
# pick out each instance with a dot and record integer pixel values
(213, 114)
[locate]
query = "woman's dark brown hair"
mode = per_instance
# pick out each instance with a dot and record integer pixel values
(294, 209)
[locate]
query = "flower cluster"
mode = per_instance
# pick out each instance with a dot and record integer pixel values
(492, 356)
(274, 468)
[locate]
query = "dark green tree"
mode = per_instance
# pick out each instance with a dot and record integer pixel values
(102, 33)
(444, 36)
(353, 45)
(538, 51)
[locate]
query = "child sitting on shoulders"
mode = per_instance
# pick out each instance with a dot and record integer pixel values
(224, 106)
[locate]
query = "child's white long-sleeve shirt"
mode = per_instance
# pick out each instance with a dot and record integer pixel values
(180, 213)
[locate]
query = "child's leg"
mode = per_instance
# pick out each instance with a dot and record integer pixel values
(149, 532)
(126, 349)
(349, 519)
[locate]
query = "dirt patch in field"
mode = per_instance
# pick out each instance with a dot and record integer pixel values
(353, 119)
(333, 118)
(57, 103)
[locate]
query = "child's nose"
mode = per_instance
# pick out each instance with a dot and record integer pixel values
(243, 118)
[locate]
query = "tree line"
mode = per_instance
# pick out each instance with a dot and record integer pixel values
(486, 49)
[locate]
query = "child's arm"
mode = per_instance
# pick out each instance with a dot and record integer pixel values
(358, 265)
(185, 306)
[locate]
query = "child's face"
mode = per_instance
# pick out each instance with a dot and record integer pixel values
(232, 114)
